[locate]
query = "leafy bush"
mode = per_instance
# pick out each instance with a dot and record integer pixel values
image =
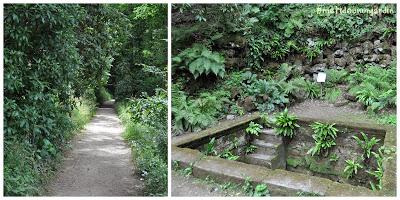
(324, 136)
(366, 144)
(261, 190)
(145, 120)
(253, 128)
(334, 77)
(196, 114)
(268, 94)
(102, 95)
(199, 60)
(351, 168)
(286, 124)
(373, 87)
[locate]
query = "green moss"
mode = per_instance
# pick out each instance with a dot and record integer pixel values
(294, 162)
(323, 167)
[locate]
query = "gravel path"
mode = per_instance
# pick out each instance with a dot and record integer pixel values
(99, 163)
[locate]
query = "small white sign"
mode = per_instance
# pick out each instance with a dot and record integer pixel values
(321, 77)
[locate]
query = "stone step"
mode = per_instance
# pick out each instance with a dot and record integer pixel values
(266, 147)
(269, 135)
(260, 159)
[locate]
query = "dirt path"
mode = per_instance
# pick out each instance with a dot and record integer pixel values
(99, 163)
(324, 110)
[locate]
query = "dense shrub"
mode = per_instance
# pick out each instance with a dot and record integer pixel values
(145, 120)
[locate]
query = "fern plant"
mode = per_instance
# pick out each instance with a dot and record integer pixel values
(253, 128)
(210, 148)
(366, 144)
(378, 172)
(351, 168)
(195, 114)
(286, 124)
(199, 60)
(324, 138)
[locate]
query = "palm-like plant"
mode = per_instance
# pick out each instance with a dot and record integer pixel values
(286, 124)
(366, 144)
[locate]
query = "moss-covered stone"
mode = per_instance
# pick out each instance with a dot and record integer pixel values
(294, 162)
(322, 167)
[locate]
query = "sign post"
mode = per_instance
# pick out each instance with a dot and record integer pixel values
(321, 78)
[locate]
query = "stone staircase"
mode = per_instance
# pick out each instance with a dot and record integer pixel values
(270, 151)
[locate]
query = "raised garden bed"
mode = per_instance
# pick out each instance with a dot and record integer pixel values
(291, 169)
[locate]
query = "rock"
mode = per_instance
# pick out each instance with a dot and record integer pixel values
(231, 62)
(352, 67)
(377, 44)
(356, 51)
(318, 67)
(300, 95)
(393, 50)
(374, 58)
(338, 53)
(248, 104)
(350, 97)
(341, 103)
(273, 65)
(340, 62)
(331, 60)
(230, 117)
(385, 60)
(235, 92)
(327, 52)
(298, 62)
(367, 47)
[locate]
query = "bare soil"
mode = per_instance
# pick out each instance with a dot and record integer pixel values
(99, 163)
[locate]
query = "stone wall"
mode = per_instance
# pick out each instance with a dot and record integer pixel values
(346, 149)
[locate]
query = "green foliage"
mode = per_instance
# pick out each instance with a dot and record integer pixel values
(57, 60)
(373, 87)
(253, 128)
(366, 144)
(102, 95)
(332, 94)
(334, 77)
(300, 85)
(199, 60)
(250, 149)
(227, 154)
(210, 147)
(286, 124)
(145, 120)
(195, 114)
(333, 158)
(141, 61)
(267, 94)
(351, 168)
(324, 137)
(380, 157)
(388, 119)
(261, 190)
